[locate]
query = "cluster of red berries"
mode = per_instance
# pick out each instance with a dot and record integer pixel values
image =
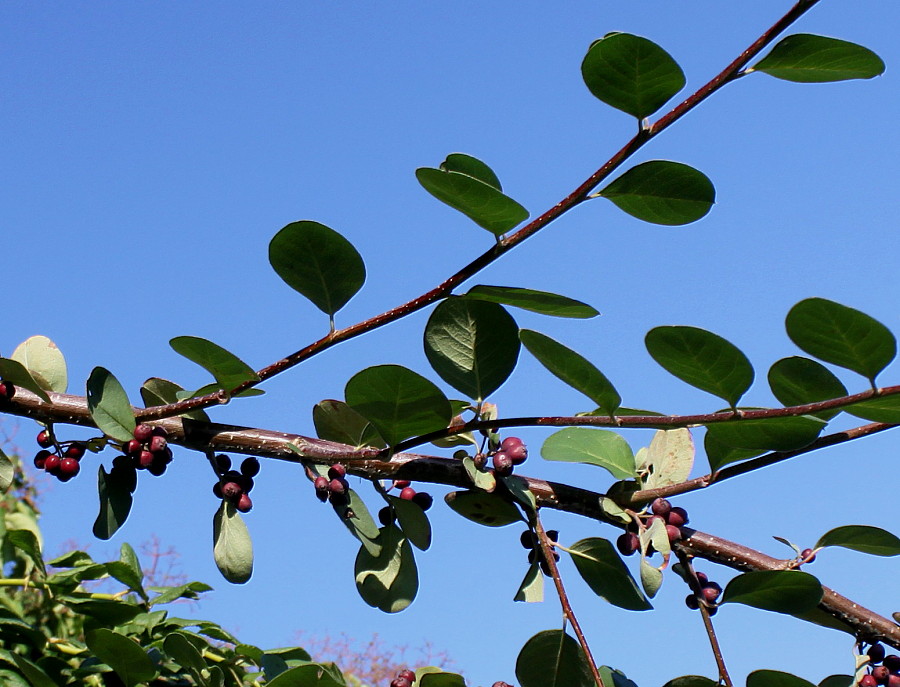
(149, 449)
(405, 678)
(883, 670)
(407, 493)
(512, 452)
(529, 540)
(674, 518)
(7, 391)
(62, 460)
(501, 683)
(709, 594)
(333, 488)
(233, 485)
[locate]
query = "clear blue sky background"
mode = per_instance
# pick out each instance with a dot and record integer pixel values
(151, 150)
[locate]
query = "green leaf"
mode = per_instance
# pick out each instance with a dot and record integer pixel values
(806, 58)
(161, 392)
(614, 678)
(691, 681)
(7, 472)
(115, 489)
(127, 570)
(783, 591)
(552, 657)
(481, 479)
(532, 588)
(702, 359)
(232, 547)
(842, 336)
(771, 434)
(336, 421)
(473, 345)
(109, 406)
(319, 263)
(355, 516)
(631, 73)
(485, 509)
(837, 681)
(863, 538)
(388, 581)
(775, 678)
(413, 521)
(124, 655)
(602, 568)
(797, 381)
(669, 458)
(33, 672)
(518, 489)
(536, 301)
(880, 409)
(227, 369)
(592, 446)
(481, 202)
(191, 590)
(720, 454)
(651, 578)
(15, 372)
(27, 542)
(179, 648)
(44, 361)
(662, 192)
(439, 678)
(573, 369)
(398, 402)
(466, 164)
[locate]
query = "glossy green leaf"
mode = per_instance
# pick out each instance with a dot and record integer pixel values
(702, 359)
(115, 489)
(669, 458)
(602, 568)
(797, 381)
(413, 521)
(485, 509)
(44, 361)
(227, 369)
(631, 73)
(390, 580)
(720, 454)
(109, 406)
(481, 202)
(573, 369)
(592, 446)
(15, 372)
(232, 547)
(662, 192)
(863, 538)
(473, 345)
(160, 392)
(775, 678)
(691, 681)
(398, 402)
(124, 655)
(532, 588)
(7, 472)
(541, 302)
(336, 421)
(772, 434)
(881, 409)
(806, 58)
(842, 336)
(472, 166)
(552, 658)
(319, 263)
(782, 591)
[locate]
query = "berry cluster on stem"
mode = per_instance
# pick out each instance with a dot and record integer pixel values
(405, 678)
(149, 449)
(708, 596)
(407, 493)
(529, 540)
(62, 460)
(233, 485)
(882, 669)
(674, 517)
(512, 452)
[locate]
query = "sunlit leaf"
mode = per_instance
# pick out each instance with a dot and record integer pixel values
(232, 547)
(466, 164)
(807, 58)
(109, 406)
(797, 381)
(532, 588)
(662, 192)
(7, 472)
(669, 458)
(123, 654)
(782, 591)
(15, 372)
(227, 369)
(592, 446)
(336, 421)
(390, 580)
(552, 657)
(863, 538)
(159, 392)
(44, 361)
(541, 302)
(771, 434)
(602, 568)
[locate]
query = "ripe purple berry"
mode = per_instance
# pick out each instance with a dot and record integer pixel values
(892, 661)
(44, 439)
(691, 602)
(628, 543)
(51, 463)
(807, 555)
(408, 674)
(515, 449)
(244, 504)
(503, 464)
(711, 592)
(232, 491)
(660, 507)
(223, 462)
(250, 467)
(337, 471)
(881, 674)
(386, 516)
(400, 682)
(876, 653)
(75, 450)
(400, 483)
(867, 681)
(158, 444)
(677, 516)
(132, 447)
(40, 458)
(7, 391)
(145, 460)
(143, 433)
(673, 533)
(423, 500)
(338, 486)
(68, 468)
(407, 493)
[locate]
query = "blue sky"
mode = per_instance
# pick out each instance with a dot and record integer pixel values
(151, 150)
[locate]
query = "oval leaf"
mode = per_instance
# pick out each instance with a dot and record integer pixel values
(775, 678)
(532, 588)
(336, 421)
(796, 381)
(481, 202)
(773, 434)
(115, 489)
(160, 392)
(663, 192)
(412, 521)
(15, 372)
(485, 509)
(109, 406)
(573, 369)
(7, 472)
(398, 402)
(552, 657)
(600, 566)
(783, 591)
(720, 454)
(232, 547)
(390, 580)
(691, 681)
(881, 409)
(473, 345)
(536, 301)
(631, 73)
(842, 336)
(863, 538)
(669, 458)
(227, 369)
(592, 446)
(124, 655)
(466, 164)
(807, 58)
(702, 359)
(45, 362)
(319, 263)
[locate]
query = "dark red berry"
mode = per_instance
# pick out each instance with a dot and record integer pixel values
(75, 450)
(408, 674)
(157, 468)
(711, 591)
(250, 467)
(545, 567)
(660, 507)
(44, 439)
(321, 483)
(160, 432)
(145, 460)
(528, 539)
(223, 462)
(157, 444)
(892, 661)
(217, 490)
(867, 681)
(511, 442)
(876, 653)
(386, 516)
(338, 499)
(244, 504)
(628, 543)
(503, 464)
(881, 674)
(692, 602)
(407, 493)
(673, 533)
(893, 680)
(515, 449)
(232, 491)
(553, 535)
(246, 483)
(400, 682)
(500, 683)
(51, 463)
(68, 467)
(807, 555)
(702, 577)
(423, 500)
(337, 471)
(164, 456)
(132, 447)
(400, 483)
(7, 391)
(143, 433)
(677, 516)
(40, 458)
